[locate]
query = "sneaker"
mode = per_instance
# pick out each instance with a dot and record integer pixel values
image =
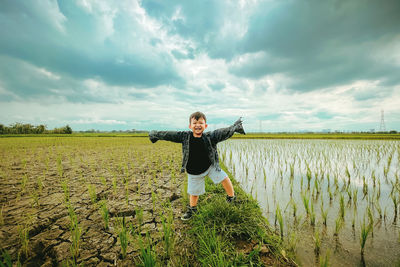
(189, 213)
(231, 199)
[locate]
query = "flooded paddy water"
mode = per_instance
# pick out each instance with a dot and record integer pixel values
(332, 201)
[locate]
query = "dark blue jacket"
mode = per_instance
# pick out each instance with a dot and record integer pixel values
(211, 139)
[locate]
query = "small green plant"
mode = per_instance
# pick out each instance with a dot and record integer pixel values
(168, 233)
(76, 232)
(123, 237)
(35, 198)
(92, 193)
(342, 207)
(371, 220)
(294, 205)
(64, 185)
(338, 225)
(312, 214)
(60, 167)
(364, 235)
(324, 261)
(147, 257)
(5, 259)
(306, 201)
(103, 180)
(105, 214)
(317, 243)
(324, 214)
(280, 219)
(23, 233)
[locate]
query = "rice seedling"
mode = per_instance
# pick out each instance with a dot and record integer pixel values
(60, 167)
(92, 193)
(324, 261)
(338, 225)
(35, 198)
(147, 257)
(123, 237)
(317, 243)
(342, 207)
(348, 175)
(309, 176)
(105, 214)
(279, 217)
(5, 259)
(168, 233)
(355, 193)
(103, 180)
(324, 214)
(312, 214)
(23, 233)
(330, 194)
(306, 201)
(76, 233)
(364, 235)
(294, 205)
(378, 208)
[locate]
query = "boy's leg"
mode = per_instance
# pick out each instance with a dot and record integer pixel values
(219, 176)
(193, 200)
(227, 184)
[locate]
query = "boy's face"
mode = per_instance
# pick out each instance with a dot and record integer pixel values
(198, 126)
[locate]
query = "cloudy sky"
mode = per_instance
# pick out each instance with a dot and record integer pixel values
(281, 65)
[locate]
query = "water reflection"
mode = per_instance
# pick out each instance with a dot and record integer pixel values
(326, 188)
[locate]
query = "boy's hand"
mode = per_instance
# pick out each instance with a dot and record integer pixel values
(152, 138)
(239, 126)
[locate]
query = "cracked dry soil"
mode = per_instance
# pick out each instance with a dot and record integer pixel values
(129, 173)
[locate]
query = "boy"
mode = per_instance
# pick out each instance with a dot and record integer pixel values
(200, 157)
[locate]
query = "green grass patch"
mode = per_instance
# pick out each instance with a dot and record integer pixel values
(219, 226)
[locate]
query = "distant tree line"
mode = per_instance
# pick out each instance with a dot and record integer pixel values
(26, 128)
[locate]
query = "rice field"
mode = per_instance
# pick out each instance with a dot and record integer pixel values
(332, 201)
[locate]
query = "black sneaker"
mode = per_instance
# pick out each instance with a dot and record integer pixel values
(231, 199)
(189, 213)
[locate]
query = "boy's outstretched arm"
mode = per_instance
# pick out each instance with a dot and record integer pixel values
(173, 136)
(225, 133)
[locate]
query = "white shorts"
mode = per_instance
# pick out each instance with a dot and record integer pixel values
(196, 184)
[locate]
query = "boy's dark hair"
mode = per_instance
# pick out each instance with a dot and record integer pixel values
(197, 115)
